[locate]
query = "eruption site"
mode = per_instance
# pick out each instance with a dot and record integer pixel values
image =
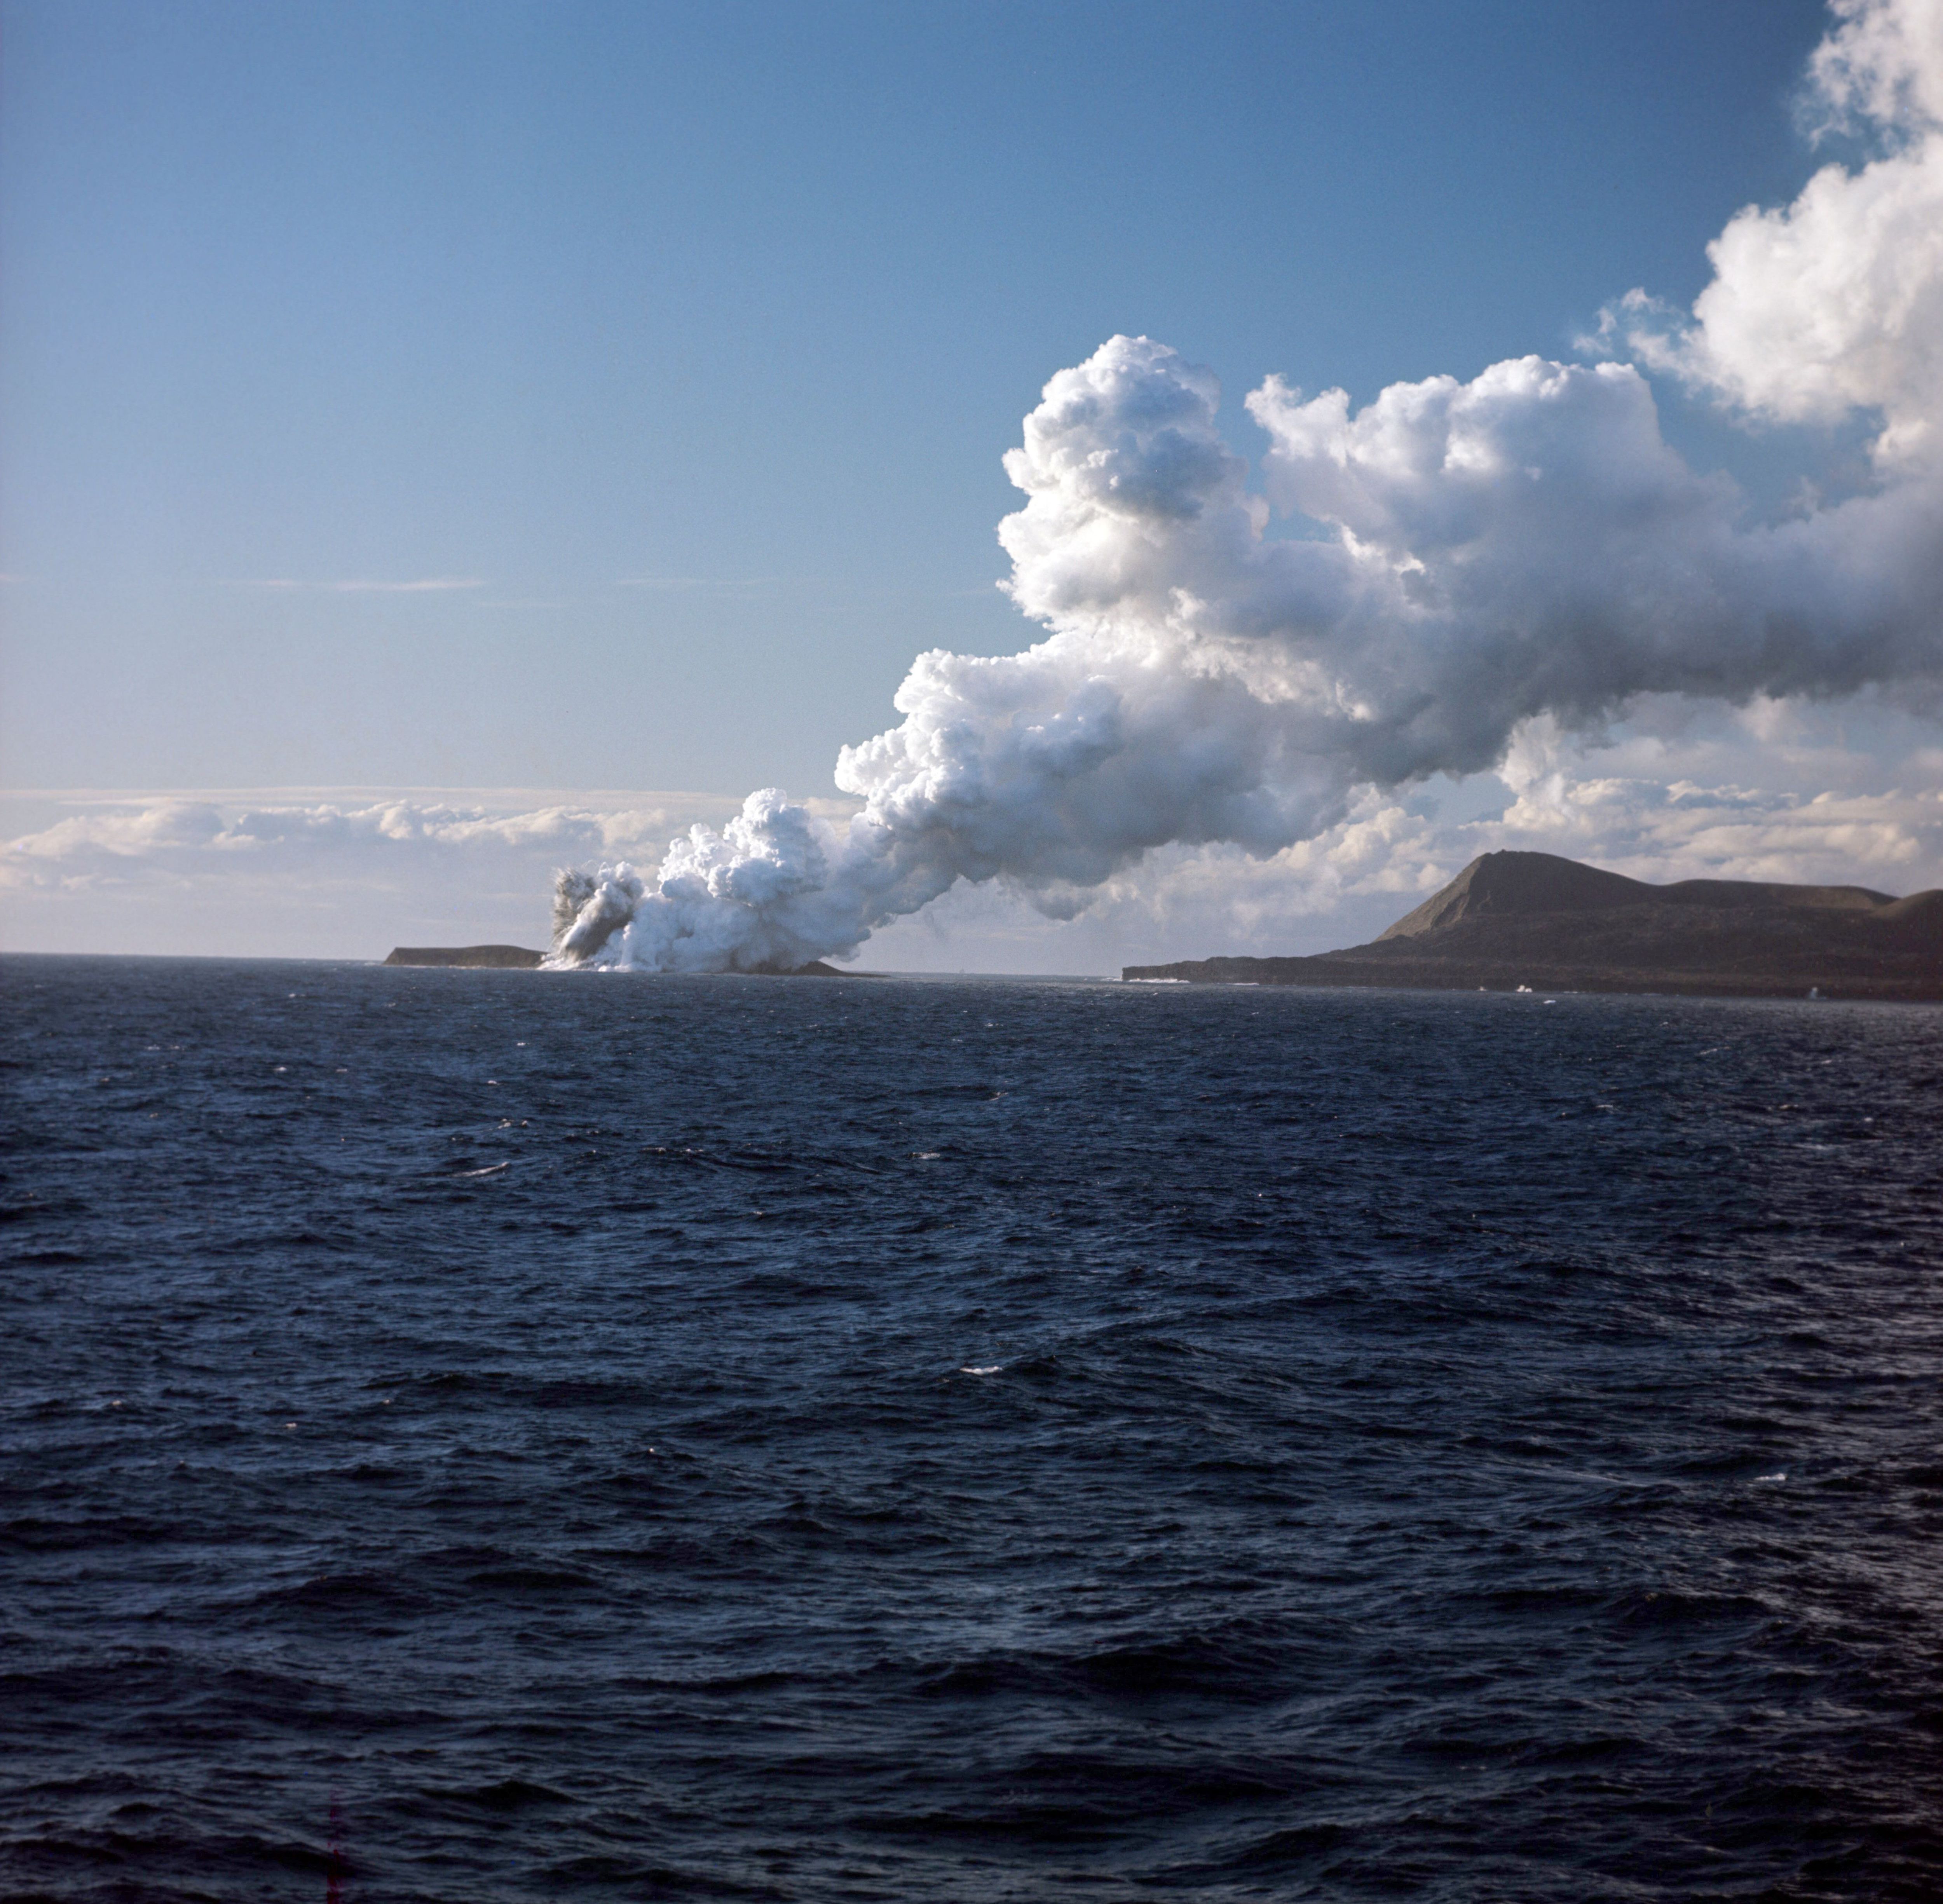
(1412, 582)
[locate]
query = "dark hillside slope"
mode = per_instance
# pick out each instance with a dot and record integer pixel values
(1514, 919)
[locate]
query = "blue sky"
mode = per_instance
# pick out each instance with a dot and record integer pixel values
(745, 299)
(688, 339)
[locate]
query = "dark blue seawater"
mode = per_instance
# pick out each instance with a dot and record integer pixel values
(477, 1435)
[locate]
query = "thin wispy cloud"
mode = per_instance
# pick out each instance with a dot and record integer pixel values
(844, 585)
(424, 585)
(684, 581)
(430, 586)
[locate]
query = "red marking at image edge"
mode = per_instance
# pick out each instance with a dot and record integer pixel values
(333, 1882)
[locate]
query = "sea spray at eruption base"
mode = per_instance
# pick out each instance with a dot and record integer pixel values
(1469, 557)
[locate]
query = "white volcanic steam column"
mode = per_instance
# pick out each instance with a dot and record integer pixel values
(1465, 556)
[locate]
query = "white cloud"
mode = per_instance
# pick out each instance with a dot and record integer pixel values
(1495, 558)
(1481, 572)
(1834, 303)
(1672, 796)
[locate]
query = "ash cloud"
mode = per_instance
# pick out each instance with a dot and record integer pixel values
(1413, 586)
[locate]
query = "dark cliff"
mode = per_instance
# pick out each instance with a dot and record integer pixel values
(1514, 919)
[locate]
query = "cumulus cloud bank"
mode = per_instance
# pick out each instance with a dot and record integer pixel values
(1835, 302)
(344, 876)
(109, 839)
(1412, 587)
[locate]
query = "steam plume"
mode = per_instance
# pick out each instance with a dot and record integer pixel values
(1416, 581)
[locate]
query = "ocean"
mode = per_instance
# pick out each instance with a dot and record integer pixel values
(476, 1436)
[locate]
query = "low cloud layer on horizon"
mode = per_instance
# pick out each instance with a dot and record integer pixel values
(1781, 789)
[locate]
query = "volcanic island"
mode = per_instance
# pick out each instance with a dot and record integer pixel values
(1534, 920)
(1513, 920)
